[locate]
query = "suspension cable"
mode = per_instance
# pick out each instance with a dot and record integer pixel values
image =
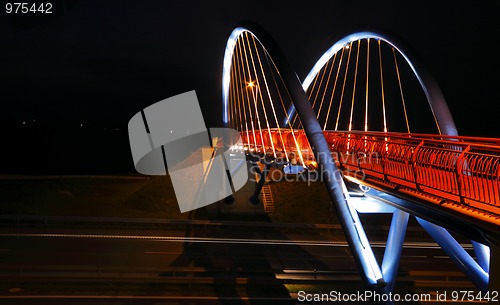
(286, 113)
(311, 89)
(343, 85)
(354, 88)
(270, 99)
(232, 103)
(253, 93)
(240, 96)
(334, 88)
(401, 91)
(323, 72)
(234, 100)
(367, 75)
(282, 104)
(326, 86)
(382, 87)
(246, 91)
(260, 94)
(320, 83)
(236, 97)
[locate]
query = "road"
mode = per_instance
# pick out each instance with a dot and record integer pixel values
(200, 265)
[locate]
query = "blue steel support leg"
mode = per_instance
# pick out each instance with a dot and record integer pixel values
(461, 258)
(482, 255)
(494, 284)
(369, 262)
(394, 247)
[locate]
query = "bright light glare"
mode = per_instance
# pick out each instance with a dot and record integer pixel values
(237, 147)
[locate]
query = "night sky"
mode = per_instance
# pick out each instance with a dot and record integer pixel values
(76, 77)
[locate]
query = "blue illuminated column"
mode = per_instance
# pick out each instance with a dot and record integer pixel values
(461, 258)
(494, 283)
(394, 247)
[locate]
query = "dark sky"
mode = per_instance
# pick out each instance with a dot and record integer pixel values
(107, 60)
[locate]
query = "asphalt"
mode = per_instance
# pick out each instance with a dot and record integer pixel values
(216, 264)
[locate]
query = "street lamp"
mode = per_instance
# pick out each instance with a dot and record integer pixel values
(251, 84)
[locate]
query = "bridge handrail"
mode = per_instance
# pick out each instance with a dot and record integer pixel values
(476, 141)
(461, 169)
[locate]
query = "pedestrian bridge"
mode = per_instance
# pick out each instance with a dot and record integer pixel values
(369, 113)
(461, 173)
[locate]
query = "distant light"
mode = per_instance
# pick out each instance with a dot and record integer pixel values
(24, 123)
(81, 125)
(251, 84)
(347, 46)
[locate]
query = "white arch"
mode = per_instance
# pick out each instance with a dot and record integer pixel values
(362, 252)
(433, 93)
(226, 70)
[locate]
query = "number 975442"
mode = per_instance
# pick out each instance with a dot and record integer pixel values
(28, 8)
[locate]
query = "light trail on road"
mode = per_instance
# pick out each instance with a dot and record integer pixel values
(183, 239)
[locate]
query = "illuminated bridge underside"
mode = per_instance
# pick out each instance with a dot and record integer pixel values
(459, 173)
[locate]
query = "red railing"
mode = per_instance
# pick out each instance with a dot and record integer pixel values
(464, 170)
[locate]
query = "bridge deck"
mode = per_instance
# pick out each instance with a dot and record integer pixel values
(459, 173)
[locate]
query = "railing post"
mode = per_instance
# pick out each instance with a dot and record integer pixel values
(414, 163)
(459, 172)
(383, 157)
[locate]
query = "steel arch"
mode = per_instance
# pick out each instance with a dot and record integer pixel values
(433, 93)
(358, 242)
